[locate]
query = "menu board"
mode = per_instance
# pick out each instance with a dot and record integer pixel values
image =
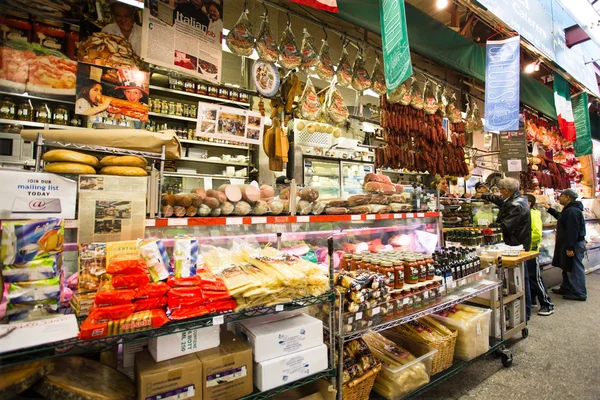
(229, 123)
(513, 151)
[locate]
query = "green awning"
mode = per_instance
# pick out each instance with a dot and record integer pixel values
(434, 40)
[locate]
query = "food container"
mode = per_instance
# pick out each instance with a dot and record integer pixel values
(43, 113)
(193, 111)
(60, 116)
(243, 97)
(171, 109)
(179, 109)
(164, 108)
(172, 83)
(223, 93)
(233, 95)
(49, 34)
(202, 88)
(7, 108)
(75, 120)
(212, 91)
(189, 86)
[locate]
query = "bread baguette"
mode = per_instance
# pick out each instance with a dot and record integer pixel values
(69, 156)
(124, 171)
(124, 161)
(69, 168)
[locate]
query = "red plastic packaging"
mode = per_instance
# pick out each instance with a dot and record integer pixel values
(220, 306)
(106, 298)
(154, 289)
(184, 282)
(176, 303)
(186, 313)
(211, 282)
(137, 322)
(128, 266)
(186, 292)
(150, 303)
(129, 281)
(210, 295)
(110, 313)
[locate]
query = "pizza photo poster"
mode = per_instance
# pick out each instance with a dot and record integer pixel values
(229, 123)
(185, 37)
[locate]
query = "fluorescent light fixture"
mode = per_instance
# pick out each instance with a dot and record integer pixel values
(441, 4)
(135, 3)
(533, 67)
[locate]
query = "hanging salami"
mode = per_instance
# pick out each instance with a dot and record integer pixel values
(239, 39)
(310, 58)
(290, 56)
(344, 69)
(266, 46)
(360, 77)
(378, 78)
(325, 69)
(310, 107)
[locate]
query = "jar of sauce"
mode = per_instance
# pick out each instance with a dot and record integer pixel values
(171, 108)
(375, 265)
(164, 107)
(356, 262)
(407, 302)
(345, 262)
(43, 113)
(234, 95)
(212, 91)
(417, 292)
(398, 274)
(387, 269)
(223, 93)
(7, 108)
(189, 86)
(202, 88)
(193, 111)
(422, 268)
(60, 116)
(430, 267)
(411, 271)
(366, 262)
(243, 97)
(438, 288)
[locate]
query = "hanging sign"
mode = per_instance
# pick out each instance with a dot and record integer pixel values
(502, 78)
(396, 53)
(583, 145)
(513, 151)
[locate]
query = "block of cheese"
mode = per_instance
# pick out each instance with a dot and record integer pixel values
(124, 161)
(69, 168)
(69, 156)
(125, 171)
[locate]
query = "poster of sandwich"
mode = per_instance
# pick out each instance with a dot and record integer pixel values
(184, 36)
(229, 123)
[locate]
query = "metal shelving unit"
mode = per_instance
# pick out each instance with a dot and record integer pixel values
(168, 116)
(33, 97)
(32, 124)
(282, 389)
(213, 144)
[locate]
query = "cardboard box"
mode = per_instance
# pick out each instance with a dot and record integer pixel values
(182, 343)
(179, 378)
(515, 313)
(227, 369)
(289, 368)
(516, 283)
(130, 350)
(274, 339)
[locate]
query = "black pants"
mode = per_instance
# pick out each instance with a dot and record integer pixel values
(536, 284)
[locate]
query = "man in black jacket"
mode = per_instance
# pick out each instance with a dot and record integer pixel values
(570, 246)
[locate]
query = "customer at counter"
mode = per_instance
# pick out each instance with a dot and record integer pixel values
(570, 246)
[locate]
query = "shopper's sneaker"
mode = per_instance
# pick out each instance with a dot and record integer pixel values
(572, 297)
(545, 311)
(560, 291)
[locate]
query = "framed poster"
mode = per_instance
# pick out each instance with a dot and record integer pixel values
(229, 123)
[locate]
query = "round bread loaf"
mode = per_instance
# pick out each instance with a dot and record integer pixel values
(69, 156)
(69, 168)
(125, 171)
(124, 161)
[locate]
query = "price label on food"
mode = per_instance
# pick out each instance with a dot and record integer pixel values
(218, 320)
(279, 307)
(358, 316)
(376, 311)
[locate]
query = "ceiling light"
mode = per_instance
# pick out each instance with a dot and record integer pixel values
(441, 4)
(530, 68)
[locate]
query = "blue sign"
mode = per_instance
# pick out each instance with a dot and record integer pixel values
(502, 78)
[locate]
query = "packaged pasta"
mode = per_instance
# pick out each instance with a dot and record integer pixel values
(100, 314)
(265, 44)
(136, 322)
(186, 313)
(240, 39)
(185, 256)
(25, 241)
(344, 69)
(221, 306)
(184, 282)
(310, 57)
(129, 281)
(40, 269)
(150, 304)
(378, 78)
(176, 303)
(154, 289)
(325, 68)
(185, 292)
(360, 76)
(210, 281)
(127, 265)
(105, 298)
(310, 107)
(154, 253)
(290, 56)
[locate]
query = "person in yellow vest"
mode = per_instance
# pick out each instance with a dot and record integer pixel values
(536, 283)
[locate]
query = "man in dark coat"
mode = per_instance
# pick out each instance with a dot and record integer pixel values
(569, 248)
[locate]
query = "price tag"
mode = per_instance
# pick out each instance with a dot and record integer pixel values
(150, 222)
(410, 215)
(358, 316)
(259, 220)
(303, 218)
(73, 223)
(405, 301)
(177, 222)
(420, 215)
(218, 320)
(279, 307)
(356, 217)
(397, 216)
(234, 221)
(375, 311)
(426, 295)
(370, 217)
(480, 274)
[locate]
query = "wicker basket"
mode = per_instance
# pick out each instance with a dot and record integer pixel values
(360, 388)
(445, 347)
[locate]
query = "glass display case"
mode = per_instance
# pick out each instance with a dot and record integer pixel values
(353, 175)
(323, 175)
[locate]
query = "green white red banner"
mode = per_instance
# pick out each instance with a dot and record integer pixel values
(564, 108)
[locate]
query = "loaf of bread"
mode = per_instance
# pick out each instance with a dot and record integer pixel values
(123, 171)
(124, 161)
(69, 168)
(70, 156)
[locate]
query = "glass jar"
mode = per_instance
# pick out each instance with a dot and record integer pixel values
(366, 262)
(411, 271)
(156, 106)
(43, 113)
(202, 88)
(375, 265)
(164, 109)
(7, 108)
(399, 305)
(398, 274)
(243, 97)
(186, 110)
(356, 262)
(438, 288)
(233, 95)
(171, 108)
(387, 269)
(345, 262)
(422, 268)
(212, 91)
(410, 301)
(189, 86)
(430, 267)
(193, 111)
(25, 112)
(60, 116)
(417, 292)
(223, 93)
(75, 120)
(179, 109)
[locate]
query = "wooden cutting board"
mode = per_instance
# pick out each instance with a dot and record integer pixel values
(77, 378)
(17, 379)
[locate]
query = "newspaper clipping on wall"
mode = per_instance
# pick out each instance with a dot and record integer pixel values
(111, 208)
(185, 37)
(229, 123)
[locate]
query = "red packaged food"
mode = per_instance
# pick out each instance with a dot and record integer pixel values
(211, 282)
(220, 306)
(150, 303)
(185, 313)
(153, 289)
(110, 313)
(129, 281)
(176, 303)
(211, 295)
(184, 281)
(136, 322)
(185, 292)
(127, 266)
(105, 298)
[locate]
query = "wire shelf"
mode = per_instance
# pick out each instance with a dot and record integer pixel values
(282, 389)
(76, 346)
(101, 149)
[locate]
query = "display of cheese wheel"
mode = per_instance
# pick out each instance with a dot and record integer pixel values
(124, 171)
(80, 378)
(124, 161)
(21, 377)
(69, 168)
(70, 156)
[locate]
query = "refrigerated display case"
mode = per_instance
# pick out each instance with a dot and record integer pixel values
(353, 175)
(323, 175)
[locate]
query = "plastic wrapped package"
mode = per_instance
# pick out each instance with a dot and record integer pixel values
(40, 269)
(25, 292)
(189, 281)
(416, 95)
(453, 111)
(127, 265)
(150, 303)
(310, 58)
(185, 256)
(401, 95)
(136, 322)
(344, 69)
(360, 76)
(334, 106)
(154, 289)
(378, 79)
(310, 107)
(240, 39)
(105, 298)
(187, 313)
(290, 56)
(20, 311)
(110, 313)
(25, 241)
(265, 44)
(194, 292)
(176, 303)
(154, 253)
(129, 281)
(325, 68)
(430, 95)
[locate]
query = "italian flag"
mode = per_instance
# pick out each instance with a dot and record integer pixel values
(324, 5)
(564, 109)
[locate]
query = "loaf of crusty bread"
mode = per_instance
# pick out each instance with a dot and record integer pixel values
(70, 156)
(124, 161)
(125, 171)
(69, 168)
